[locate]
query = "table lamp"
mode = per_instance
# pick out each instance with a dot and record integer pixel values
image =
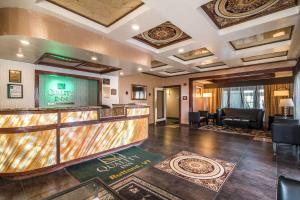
(286, 103)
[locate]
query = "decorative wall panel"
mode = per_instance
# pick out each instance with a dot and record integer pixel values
(27, 151)
(137, 111)
(25, 120)
(67, 117)
(81, 141)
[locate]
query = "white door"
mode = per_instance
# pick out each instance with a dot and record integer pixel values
(160, 105)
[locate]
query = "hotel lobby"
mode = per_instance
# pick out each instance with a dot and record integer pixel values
(149, 100)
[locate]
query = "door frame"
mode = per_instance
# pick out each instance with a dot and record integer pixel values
(155, 106)
(179, 87)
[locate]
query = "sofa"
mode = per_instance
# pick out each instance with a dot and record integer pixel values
(248, 118)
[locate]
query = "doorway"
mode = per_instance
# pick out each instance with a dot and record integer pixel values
(173, 104)
(160, 111)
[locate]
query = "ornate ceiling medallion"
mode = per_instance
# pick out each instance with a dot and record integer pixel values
(226, 13)
(163, 35)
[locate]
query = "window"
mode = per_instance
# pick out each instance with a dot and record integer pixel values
(243, 97)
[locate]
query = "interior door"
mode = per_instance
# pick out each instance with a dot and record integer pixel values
(160, 111)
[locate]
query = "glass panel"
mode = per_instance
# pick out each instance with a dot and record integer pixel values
(90, 190)
(160, 104)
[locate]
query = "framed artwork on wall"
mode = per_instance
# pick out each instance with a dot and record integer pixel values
(106, 81)
(106, 91)
(14, 91)
(113, 91)
(15, 76)
(138, 92)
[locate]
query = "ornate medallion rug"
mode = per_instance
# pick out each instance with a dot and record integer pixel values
(206, 172)
(115, 166)
(134, 188)
(259, 135)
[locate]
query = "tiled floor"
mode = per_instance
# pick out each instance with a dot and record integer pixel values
(254, 177)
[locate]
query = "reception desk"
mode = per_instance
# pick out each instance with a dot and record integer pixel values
(42, 140)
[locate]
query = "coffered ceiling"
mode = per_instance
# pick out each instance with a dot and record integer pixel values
(191, 36)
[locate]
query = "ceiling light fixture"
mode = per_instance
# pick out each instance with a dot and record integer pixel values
(94, 58)
(180, 50)
(140, 69)
(135, 27)
(121, 73)
(20, 55)
(25, 42)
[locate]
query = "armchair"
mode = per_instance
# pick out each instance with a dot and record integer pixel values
(195, 118)
(285, 131)
(288, 189)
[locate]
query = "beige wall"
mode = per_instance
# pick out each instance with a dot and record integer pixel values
(173, 102)
(151, 82)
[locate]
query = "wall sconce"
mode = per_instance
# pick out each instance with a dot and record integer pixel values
(168, 92)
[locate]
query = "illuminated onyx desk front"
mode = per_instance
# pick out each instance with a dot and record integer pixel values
(39, 141)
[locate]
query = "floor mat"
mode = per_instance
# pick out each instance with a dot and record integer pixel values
(114, 166)
(203, 171)
(134, 188)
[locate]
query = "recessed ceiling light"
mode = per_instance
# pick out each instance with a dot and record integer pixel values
(20, 55)
(180, 50)
(140, 69)
(135, 27)
(94, 58)
(121, 73)
(25, 42)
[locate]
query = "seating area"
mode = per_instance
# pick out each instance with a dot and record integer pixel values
(149, 99)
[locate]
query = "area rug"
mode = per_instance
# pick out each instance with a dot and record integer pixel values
(115, 166)
(134, 188)
(203, 171)
(172, 126)
(258, 135)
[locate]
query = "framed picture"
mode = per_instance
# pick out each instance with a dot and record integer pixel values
(138, 92)
(106, 81)
(113, 91)
(15, 76)
(106, 91)
(14, 91)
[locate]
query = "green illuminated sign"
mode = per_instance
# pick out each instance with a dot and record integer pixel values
(58, 90)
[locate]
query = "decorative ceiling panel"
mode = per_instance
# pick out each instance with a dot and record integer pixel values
(104, 12)
(265, 56)
(264, 38)
(174, 71)
(225, 13)
(73, 63)
(156, 63)
(163, 35)
(211, 65)
(194, 54)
